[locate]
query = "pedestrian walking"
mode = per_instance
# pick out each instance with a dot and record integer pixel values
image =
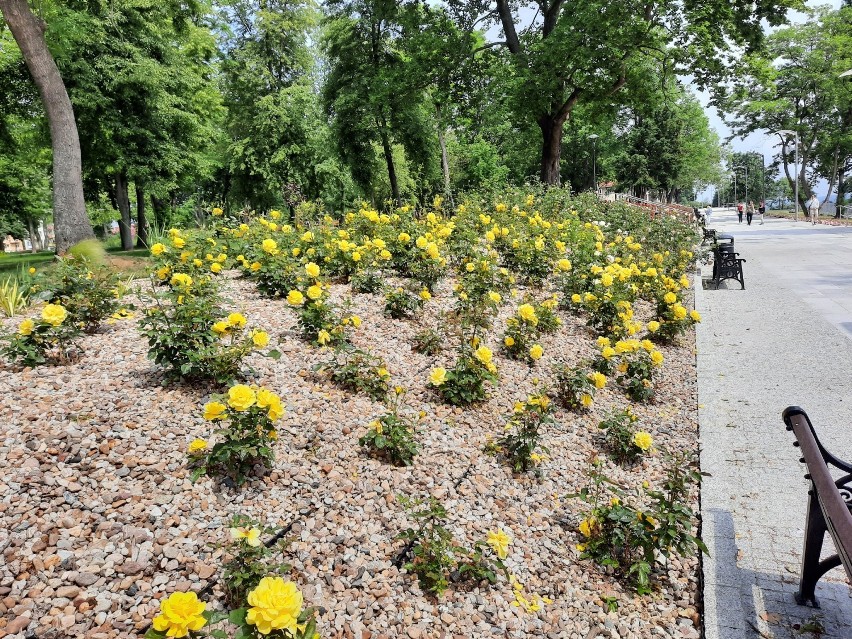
(813, 208)
(750, 212)
(707, 213)
(740, 207)
(762, 210)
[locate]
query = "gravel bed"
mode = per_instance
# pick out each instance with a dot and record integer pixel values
(99, 520)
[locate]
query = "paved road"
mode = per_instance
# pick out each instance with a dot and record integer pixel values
(786, 339)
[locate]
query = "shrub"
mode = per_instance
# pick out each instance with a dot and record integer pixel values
(575, 387)
(89, 294)
(636, 367)
(464, 384)
(191, 336)
(434, 557)
(630, 539)
(13, 296)
(400, 303)
(357, 371)
(367, 281)
(321, 322)
(521, 444)
(427, 342)
(249, 559)
(392, 435)
(46, 340)
(624, 442)
(672, 318)
(246, 437)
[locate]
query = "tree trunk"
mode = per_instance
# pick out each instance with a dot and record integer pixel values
(841, 190)
(386, 146)
(141, 219)
(159, 208)
(35, 243)
(551, 149)
(123, 202)
(70, 221)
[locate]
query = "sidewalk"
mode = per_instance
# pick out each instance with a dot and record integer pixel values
(785, 340)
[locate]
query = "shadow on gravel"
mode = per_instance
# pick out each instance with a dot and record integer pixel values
(749, 604)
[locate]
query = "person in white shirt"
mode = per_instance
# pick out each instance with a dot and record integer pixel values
(707, 213)
(813, 208)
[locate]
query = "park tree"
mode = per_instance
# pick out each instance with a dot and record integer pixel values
(795, 86)
(571, 53)
(374, 93)
(140, 77)
(71, 223)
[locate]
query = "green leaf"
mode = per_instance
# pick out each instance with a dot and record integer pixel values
(238, 616)
(274, 354)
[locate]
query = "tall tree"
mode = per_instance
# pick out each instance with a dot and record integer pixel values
(71, 224)
(581, 51)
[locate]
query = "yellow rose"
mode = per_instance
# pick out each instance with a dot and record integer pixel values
(695, 316)
(196, 445)
(323, 337)
(438, 376)
(509, 341)
(214, 411)
(656, 358)
(269, 246)
(276, 411)
(274, 604)
(483, 354)
(31, 270)
(307, 236)
(314, 292)
(425, 295)
(642, 440)
(669, 298)
(241, 397)
(255, 266)
(587, 526)
(356, 256)
(217, 211)
(653, 326)
(158, 249)
(251, 535)
(26, 327)
(181, 280)
(295, 298)
(679, 311)
(237, 320)
(499, 542)
(564, 264)
(536, 351)
(178, 242)
(356, 321)
(266, 398)
(527, 313)
(180, 614)
(216, 267)
(586, 400)
(220, 327)
(54, 314)
(260, 338)
(312, 269)
(598, 379)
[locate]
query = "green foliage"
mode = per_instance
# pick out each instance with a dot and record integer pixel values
(245, 435)
(367, 281)
(400, 303)
(249, 559)
(628, 538)
(188, 338)
(464, 384)
(90, 293)
(392, 435)
(521, 444)
(434, 556)
(574, 387)
(13, 298)
(428, 342)
(620, 436)
(45, 340)
(357, 371)
(89, 251)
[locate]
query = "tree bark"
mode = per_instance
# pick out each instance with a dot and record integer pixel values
(141, 219)
(551, 150)
(123, 201)
(70, 221)
(386, 146)
(35, 240)
(159, 208)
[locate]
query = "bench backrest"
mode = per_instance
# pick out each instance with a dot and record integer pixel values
(836, 511)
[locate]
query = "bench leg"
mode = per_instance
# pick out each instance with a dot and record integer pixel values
(811, 570)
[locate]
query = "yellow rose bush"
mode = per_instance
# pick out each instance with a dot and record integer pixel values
(624, 442)
(575, 387)
(524, 427)
(631, 530)
(391, 436)
(245, 433)
(358, 371)
(46, 339)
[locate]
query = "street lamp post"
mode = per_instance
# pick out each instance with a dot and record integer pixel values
(796, 183)
(594, 138)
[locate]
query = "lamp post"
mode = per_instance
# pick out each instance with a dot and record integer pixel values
(594, 138)
(796, 183)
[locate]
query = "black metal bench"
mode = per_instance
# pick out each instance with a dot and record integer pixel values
(727, 265)
(829, 507)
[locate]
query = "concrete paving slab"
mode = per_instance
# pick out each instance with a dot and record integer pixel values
(786, 339)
